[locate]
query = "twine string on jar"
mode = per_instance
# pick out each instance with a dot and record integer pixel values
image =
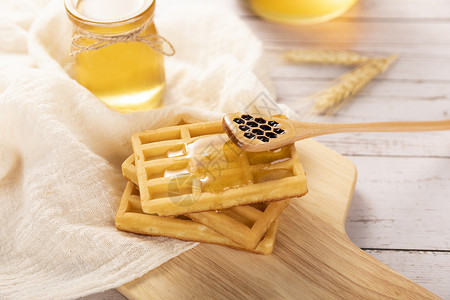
(156, 42)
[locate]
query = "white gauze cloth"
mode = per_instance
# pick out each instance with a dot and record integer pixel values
(61, 148)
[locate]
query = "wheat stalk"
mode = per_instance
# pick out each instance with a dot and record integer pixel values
(333, 57)
(349, 84)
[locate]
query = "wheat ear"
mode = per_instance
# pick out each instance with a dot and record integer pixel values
(349, 84)
(333, 57)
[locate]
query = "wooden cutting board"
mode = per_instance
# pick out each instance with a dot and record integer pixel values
(313, 258)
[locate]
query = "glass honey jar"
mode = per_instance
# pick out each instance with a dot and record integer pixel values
(298, 12)
(117, 53)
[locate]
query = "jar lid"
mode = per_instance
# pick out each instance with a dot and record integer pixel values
(107, 11)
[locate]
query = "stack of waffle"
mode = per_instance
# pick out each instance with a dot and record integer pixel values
(190, 182)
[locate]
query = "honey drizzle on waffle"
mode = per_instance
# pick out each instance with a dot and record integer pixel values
(187, 163)
(216, 162)
(214, 159)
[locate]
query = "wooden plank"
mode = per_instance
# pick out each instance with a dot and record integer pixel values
(337, 32)
(432, 144)
(429, 269)
(379, 91)
(400, 10)
(427, 67)
(382, 100)
(401, 203)
(365, 46)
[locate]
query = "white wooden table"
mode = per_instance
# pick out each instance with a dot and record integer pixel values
(400, 212)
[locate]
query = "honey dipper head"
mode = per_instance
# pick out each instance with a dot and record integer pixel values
(255, 133)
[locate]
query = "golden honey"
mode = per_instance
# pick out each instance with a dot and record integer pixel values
(216, 165)
(300, 11)
(111, 55)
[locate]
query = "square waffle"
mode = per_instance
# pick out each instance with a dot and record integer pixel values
(131, 218)
(245, 225)
(195, 167)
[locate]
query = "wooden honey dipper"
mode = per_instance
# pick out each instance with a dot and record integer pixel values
(256, 133)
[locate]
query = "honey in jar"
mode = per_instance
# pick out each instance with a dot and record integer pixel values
(300, 11)
(117, 52)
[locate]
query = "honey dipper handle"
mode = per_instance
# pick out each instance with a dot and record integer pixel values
(306, 130)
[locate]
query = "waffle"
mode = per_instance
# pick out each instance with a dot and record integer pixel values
(245, 225)
(131, 218)
(195, 167)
